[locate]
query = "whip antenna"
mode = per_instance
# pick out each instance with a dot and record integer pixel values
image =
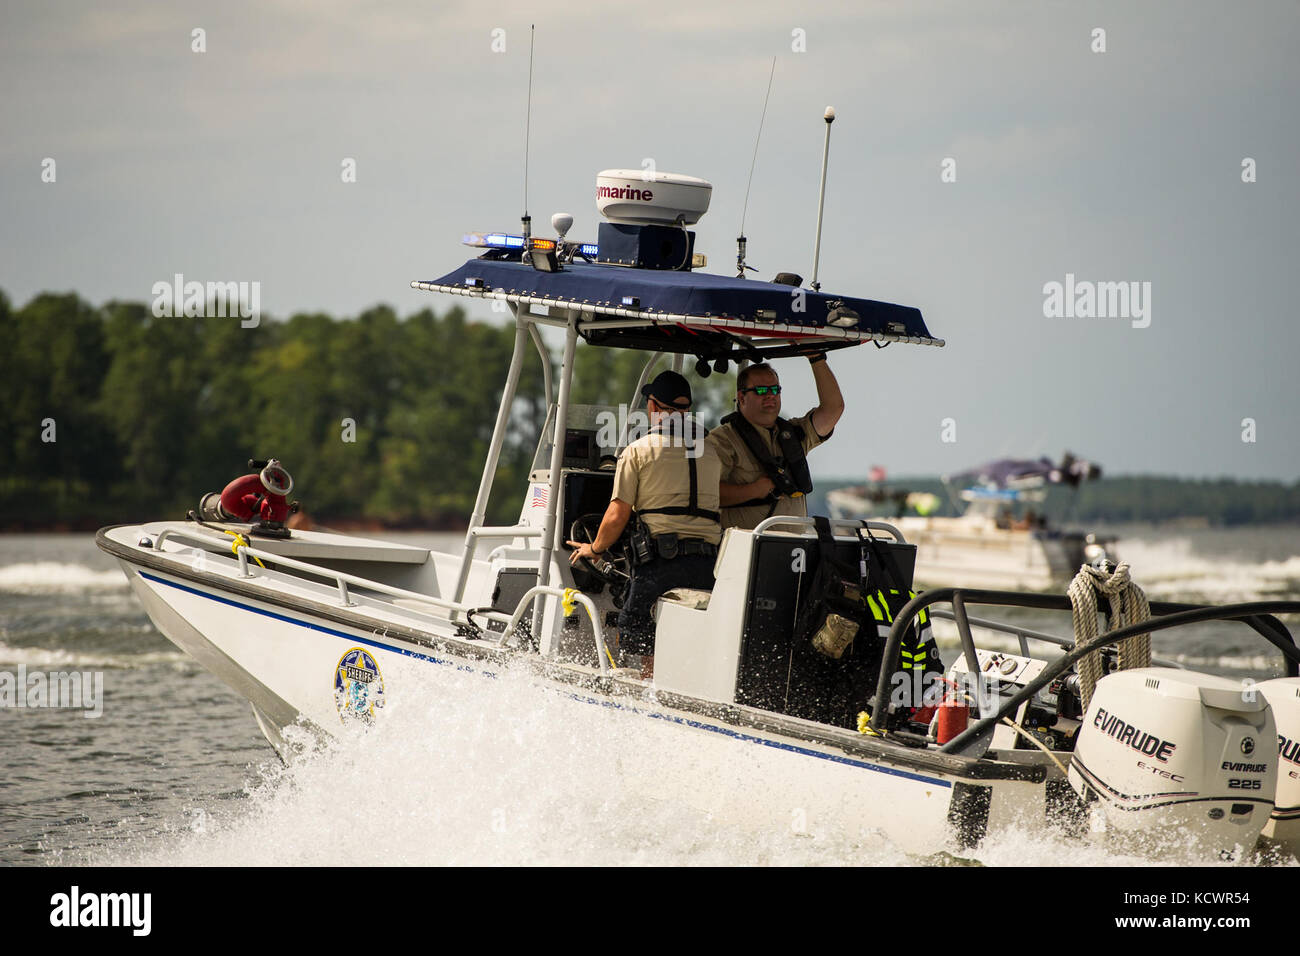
(741, 266)
(528, 128)
(829, 116)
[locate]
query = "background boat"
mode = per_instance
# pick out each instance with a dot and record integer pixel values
(999, 539)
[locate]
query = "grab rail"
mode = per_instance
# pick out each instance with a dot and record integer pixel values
(514, 531)
(480, 532)
(186, 533)
(804, 521)
(1024, 632)
(574, 595)
(341, 578)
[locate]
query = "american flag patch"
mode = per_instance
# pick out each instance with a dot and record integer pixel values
(540, 493)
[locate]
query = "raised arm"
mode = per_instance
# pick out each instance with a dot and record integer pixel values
(830, 403)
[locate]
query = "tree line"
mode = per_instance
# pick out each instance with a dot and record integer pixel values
(112, 414)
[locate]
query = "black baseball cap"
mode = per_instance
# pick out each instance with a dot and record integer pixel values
(669, 388)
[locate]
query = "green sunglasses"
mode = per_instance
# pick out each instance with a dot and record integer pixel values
(763, 389)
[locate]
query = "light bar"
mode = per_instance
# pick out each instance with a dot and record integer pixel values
(504, 240)
(542, 255)
(493, 240)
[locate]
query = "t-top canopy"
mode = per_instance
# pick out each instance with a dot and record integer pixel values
(691, 312)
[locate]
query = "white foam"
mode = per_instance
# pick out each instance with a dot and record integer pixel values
(64, 659)
(503, 772)
(1169, 569)
(54, 577)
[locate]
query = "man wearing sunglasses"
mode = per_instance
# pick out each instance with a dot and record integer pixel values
(764, 456)
(669, 477)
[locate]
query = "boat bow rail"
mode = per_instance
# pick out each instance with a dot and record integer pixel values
(243, 551)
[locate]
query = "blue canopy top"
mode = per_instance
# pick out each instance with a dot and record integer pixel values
(693, 312)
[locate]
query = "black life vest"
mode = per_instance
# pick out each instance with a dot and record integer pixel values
(789, 473)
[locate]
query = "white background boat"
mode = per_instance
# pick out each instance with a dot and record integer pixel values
(999, 540)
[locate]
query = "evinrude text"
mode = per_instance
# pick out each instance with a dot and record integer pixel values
(1146, 744)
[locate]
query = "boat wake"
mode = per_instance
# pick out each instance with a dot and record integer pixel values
(58, 658)
(473, 770)
(56, 577)
(1170, 570)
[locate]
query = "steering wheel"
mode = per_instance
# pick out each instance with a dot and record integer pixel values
(615, 569)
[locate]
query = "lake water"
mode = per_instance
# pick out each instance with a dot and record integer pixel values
(176, 771)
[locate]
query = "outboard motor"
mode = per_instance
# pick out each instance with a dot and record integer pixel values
(260, 498)
(1172, 758)
(1283, 696)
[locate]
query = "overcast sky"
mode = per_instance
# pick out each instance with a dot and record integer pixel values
(1123, 165)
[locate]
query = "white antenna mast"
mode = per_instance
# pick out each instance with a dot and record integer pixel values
(829, 116)
(528, 128)
(741, 265)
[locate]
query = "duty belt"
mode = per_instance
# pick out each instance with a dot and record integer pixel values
(668, 546)
(696, 546)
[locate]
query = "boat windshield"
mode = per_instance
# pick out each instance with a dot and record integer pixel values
(590, 433)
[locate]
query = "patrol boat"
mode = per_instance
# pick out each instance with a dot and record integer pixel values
(319, 629)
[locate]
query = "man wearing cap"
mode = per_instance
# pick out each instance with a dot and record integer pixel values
(764, 457)
(669, 477)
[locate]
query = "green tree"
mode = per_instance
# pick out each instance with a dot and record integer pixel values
(60, 450)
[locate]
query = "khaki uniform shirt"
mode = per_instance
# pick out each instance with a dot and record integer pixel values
(740, 467)
(653, 472)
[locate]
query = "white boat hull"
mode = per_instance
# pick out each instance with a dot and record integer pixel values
(972, 551)
(959, 553)
(284, 662)
(311, 656)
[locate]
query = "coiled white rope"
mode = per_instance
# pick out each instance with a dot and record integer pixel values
(1128, 605)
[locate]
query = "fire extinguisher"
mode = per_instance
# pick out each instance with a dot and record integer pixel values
(953, 713)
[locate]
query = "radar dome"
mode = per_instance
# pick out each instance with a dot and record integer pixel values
(644, 197)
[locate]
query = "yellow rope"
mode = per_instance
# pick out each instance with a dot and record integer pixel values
(241, 540)
(569, 603)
